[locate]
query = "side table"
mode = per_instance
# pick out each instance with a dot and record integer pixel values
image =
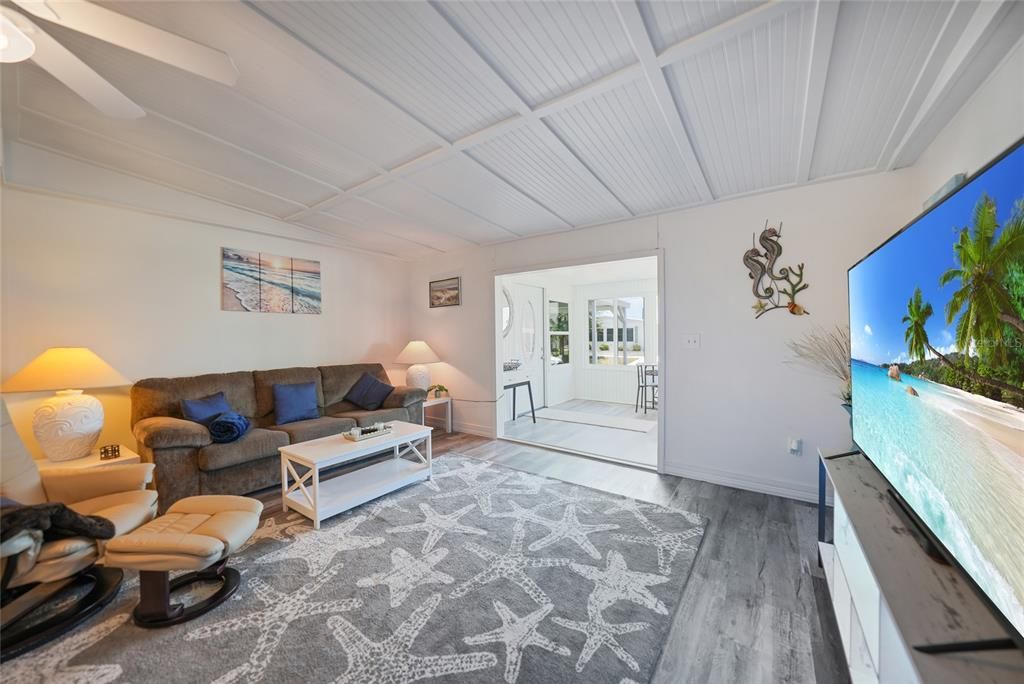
(446, 401)
(90, 461)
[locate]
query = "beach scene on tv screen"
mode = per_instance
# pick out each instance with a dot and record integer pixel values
(937, 346)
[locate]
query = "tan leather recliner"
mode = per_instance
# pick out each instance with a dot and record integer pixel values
(115, 492)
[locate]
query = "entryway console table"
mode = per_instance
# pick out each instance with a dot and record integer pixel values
(889, 596)
(529, 389)
(320, 500)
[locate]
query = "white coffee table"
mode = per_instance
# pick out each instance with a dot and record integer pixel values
(319, 501)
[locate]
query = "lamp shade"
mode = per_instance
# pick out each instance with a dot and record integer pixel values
(61, 368)
(417, 351)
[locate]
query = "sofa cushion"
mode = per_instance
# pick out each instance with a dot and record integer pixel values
(255, 444)
(162, 396)
(161, 432)
(338, 380)
(369, 393)
(265, 380)
(365, 418)
(205, 409)
(340, 407)
(305, 430)
(295, 402)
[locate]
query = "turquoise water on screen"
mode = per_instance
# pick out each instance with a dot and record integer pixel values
(940, 453)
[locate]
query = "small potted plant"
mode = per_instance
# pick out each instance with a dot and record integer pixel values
(438, 390)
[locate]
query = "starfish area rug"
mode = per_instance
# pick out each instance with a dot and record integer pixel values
(481, 574)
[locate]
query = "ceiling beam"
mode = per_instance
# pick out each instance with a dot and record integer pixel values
(633, 23)
(825, 15)
(718, 33)
(984, 23)
(945, 42)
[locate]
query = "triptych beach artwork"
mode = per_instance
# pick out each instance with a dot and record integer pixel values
(253, 281)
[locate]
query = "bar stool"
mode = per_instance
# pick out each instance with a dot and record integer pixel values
(646, 386)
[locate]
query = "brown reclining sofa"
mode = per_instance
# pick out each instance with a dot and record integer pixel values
(189, 463)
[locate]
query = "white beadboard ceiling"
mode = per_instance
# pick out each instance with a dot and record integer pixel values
(412, 128)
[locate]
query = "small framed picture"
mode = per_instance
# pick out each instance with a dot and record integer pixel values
(447, 292)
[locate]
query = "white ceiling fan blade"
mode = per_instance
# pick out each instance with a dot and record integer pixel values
(136, 36)
(74, 73)
(15, 46)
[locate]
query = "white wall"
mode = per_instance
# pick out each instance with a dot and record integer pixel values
(143, 291)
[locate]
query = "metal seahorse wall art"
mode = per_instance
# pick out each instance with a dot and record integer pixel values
(773, 289)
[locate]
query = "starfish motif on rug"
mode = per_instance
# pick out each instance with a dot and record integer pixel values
(408, 572)
(668, 544)
(633, 506)
(319, 547)
(569, 527)
(483, 492)
(271, 529)
(600, 633)
(617, 582)
(531, 484)
(511, 565)
(468, 472)
(391, 661)
(50, 664)
(574, 497)
(516, 633)
(279, 612)
(437, 525)
(389, 502)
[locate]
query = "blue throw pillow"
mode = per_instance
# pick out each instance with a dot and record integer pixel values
(369, 393)
(295, 402)
(206, 409)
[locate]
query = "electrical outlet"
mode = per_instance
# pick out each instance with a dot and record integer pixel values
(691, 341)
(796, 445)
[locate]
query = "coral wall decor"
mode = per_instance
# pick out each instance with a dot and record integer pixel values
(773, 289)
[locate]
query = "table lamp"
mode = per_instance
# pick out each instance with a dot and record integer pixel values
(417, 353)
(68, 424)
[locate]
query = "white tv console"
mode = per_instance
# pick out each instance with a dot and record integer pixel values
(889, 596)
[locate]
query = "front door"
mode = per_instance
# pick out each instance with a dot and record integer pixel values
(525, 343)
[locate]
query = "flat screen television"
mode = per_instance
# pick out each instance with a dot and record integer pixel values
(937, 356)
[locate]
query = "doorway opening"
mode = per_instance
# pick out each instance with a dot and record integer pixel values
(577, 359)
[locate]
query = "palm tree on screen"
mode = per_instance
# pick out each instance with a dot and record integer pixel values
(983, 260)
(918, 345)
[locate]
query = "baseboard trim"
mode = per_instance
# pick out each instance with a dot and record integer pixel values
(787, 490)
(475, 429)
(584, 454)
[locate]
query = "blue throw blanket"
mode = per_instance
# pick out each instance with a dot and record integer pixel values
(228, 426)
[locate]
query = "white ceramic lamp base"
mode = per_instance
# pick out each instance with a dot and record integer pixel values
(418, 376)
(67, 425)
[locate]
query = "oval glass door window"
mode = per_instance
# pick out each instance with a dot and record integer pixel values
(507, 313)
(529, 331)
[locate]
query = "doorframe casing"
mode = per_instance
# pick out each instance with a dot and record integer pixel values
(664, 357)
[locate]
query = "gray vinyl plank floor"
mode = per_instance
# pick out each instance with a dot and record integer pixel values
(640, 448)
